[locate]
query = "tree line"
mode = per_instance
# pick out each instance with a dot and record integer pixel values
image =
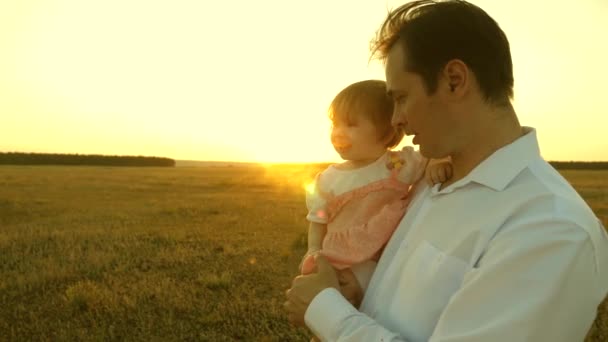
(19, 158)
(574, 165)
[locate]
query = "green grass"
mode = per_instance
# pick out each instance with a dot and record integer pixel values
(156, 254)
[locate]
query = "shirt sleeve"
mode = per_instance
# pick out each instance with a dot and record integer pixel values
(316, 202)
(413, 167)
(332, 318)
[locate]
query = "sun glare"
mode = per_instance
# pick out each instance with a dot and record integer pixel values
(310, 187)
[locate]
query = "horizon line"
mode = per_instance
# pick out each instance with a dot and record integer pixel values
(246, 161)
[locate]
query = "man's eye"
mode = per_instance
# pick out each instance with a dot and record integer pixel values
(400, 99)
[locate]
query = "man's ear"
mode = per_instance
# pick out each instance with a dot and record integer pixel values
(455, 78)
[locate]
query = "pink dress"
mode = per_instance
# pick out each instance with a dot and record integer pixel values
(362, 207)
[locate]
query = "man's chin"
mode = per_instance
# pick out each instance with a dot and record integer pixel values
(422, 150)
(426, 153)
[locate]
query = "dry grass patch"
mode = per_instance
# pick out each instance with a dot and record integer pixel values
(101, 253)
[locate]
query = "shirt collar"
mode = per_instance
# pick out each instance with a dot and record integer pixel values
(500, 168)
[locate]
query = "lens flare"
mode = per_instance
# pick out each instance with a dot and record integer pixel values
(310, 188)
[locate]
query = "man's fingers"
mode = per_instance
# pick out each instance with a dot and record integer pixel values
(291, 296)
(429, 177)
(292, 316)
(435, 176)
(441, 175)
(294, 309)
(289, 306)
(295, 280)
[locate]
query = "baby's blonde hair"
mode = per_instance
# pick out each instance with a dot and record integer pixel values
(367, 99)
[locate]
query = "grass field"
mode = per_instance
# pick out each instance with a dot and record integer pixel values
(156, 254)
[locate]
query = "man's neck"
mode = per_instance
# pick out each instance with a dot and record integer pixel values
(502, 129)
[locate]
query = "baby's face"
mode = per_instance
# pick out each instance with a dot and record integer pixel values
(356, 139)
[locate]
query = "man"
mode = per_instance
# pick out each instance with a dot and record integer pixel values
(505, 250)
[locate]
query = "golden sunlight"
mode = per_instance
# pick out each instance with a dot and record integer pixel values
(159, 78)
(310, 187)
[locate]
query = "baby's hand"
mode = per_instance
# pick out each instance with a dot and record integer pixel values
(394, 160)
(438, 172)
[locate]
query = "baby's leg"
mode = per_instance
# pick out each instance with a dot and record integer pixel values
(363, 272)
(378, 254)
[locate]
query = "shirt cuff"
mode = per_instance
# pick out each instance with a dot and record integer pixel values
(326, 312)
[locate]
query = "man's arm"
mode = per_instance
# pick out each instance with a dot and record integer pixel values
(537, 281)
(333, 318)
(317, 297)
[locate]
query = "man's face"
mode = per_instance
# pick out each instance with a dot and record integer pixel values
(416, 112)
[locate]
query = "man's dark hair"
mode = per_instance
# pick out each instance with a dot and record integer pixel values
(434, 32)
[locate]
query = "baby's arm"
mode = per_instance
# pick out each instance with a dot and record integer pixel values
(438, 171)
(316, 234)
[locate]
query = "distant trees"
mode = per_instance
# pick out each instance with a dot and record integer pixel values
(18, 158)
(573, 165)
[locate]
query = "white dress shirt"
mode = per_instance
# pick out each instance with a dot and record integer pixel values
(508, 253)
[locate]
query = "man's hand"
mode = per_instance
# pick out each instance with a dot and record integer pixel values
(306, 287)
(438, 171)
(350, 287)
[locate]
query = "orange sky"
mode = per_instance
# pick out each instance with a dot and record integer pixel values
(251, 81)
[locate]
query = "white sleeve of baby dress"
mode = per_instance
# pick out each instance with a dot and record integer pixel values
(316, 202)
(413, 165)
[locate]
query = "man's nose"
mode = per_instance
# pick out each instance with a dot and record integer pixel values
(398, 119)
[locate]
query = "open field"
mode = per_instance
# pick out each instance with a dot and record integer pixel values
(156, 254)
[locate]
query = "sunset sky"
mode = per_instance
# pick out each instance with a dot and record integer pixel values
(251, 80)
